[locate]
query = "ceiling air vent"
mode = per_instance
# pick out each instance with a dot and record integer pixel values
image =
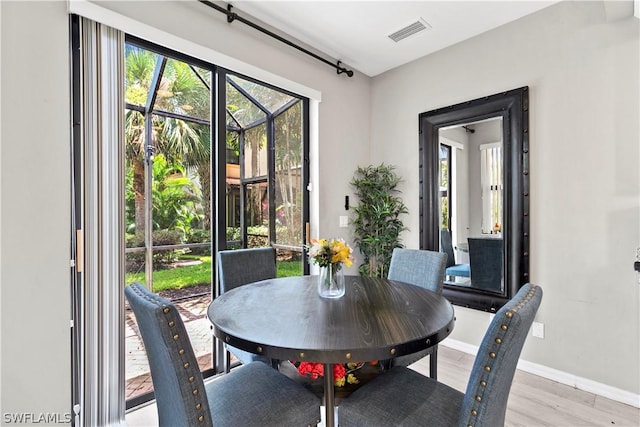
(409, 30)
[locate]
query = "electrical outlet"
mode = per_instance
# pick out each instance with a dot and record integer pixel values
(344, 221)
(538, 330)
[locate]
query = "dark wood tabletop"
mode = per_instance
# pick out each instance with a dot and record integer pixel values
(376, 319)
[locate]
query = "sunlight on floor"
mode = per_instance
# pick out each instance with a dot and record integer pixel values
(145, 416)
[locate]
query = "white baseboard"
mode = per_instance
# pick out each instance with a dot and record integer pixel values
(566, 378)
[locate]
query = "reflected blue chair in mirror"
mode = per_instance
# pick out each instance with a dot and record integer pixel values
(485, 257)
(421, 268)
(250, 395)
(403, 397)
(240, 267)
(453, 269)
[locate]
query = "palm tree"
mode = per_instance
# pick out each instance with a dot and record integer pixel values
(288, 156)
(139, 68)
(180, 92)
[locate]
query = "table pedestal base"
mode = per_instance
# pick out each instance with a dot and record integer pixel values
(329, 398)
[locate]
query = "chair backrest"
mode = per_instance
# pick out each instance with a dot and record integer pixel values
(485, 260)
(177, 381)
(485, 401)
(241, 266)
(418, 267)
(446, 246)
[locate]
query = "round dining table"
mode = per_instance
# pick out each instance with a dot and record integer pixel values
(286, 319)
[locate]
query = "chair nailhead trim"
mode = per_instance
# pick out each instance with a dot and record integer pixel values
(170, 314)
(498, 340)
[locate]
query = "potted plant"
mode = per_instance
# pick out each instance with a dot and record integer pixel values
(377, 223)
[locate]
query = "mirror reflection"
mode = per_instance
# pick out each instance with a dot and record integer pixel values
(471, 203)
(474, 195)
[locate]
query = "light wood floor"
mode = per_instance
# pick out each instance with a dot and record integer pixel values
(536, 401)
(533, 402)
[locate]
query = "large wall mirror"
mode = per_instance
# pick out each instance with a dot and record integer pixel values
(474, 196)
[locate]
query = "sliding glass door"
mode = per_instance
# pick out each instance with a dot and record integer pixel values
(174, 160)
(173, 226)
(168, 196)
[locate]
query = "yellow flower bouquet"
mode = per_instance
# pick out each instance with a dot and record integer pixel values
(326, 252)
(330, 255)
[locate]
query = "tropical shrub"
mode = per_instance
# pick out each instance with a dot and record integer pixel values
(377, 223)
(161, 258)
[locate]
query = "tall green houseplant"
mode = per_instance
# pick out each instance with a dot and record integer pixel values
(377, 217)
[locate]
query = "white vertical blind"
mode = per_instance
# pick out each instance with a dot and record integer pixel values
(100, 292)
(492, 187)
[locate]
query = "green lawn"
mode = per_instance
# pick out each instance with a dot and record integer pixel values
(289, 268)
(192, 275)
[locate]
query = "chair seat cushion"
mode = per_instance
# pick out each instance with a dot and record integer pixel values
(402, 397)
(257, 395)
(462, 270)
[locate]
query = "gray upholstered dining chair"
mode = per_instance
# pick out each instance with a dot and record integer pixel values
(485, 257)
(239, 267)
(403, 397)
(251, 395)
(421, 268)
(453, 269)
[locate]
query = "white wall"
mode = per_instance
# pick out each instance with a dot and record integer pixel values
(582, 72)
(35, 167)
(35, 217)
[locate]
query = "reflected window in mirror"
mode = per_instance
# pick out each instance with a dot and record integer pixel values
(471, 190)
(474, 196)
(445, 185)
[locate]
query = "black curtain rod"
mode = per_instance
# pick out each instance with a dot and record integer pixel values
(232, 16)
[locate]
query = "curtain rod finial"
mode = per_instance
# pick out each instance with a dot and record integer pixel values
(340, 69)
(231, 16)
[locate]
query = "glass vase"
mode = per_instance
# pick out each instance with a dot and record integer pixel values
(331, 281)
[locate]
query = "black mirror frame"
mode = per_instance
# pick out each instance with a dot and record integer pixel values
(513, 107)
